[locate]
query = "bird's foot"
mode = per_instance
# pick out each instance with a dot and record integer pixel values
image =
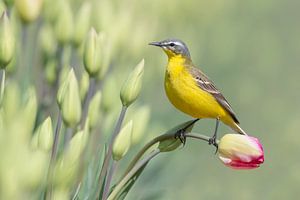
(213, 141)
(180, 134)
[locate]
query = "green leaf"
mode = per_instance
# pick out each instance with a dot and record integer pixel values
(130, 183)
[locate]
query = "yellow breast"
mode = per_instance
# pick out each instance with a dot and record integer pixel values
(185, 95)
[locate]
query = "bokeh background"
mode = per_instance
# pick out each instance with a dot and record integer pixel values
(249, 48)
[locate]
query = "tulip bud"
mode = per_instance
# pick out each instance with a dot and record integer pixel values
(70, 102)
(174, 143)
(106, 55)
(7, 41)
(122, 142)
(47, 40)
(84, 85)
(240, 151)
(94, 109)
(45, 135)
(82, 24)
(141, 119)
(65, 79)
(64, 24)
(29, 10)
(92, 53)
(132, 86)
(30, 109)
(2, 7)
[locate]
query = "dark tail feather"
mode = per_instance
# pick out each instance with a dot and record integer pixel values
(238, 129)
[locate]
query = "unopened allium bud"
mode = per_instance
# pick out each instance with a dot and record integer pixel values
(140, 118)
(2, 7)
(7, 41)
(122, 142)
(92, 53)
(45, 135)
(65, 80)
(240, 151)
(94, 109)
(30, 108)
(29, 10)
(82, 24)
(70, 102)
(84, 85)
(64, 25)
(106, 55)
(132, 86)
(47, 40)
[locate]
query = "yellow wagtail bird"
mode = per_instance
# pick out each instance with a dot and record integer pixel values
(191, 91)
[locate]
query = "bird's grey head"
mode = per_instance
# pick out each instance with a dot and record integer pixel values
(173, 47)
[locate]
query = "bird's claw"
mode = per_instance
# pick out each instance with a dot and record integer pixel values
(212, 141)
(180, 134)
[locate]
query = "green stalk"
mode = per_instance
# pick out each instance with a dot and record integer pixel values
(108, 156)
(109, 178)
(131, 173)
(2, 86)
(156, 140)
(87, 100)
(48, 192)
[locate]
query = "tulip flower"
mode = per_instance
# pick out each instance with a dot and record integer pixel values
(240, 151)
(132, 86)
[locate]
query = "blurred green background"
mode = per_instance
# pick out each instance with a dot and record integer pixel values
(250, 49)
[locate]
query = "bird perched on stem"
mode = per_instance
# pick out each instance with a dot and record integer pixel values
(192, 92)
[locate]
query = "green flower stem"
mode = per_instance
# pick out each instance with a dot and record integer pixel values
(131, 173)
(109, 178)
(156, 140)
(53, 156)
(2, 85)
(87, 100)
(108, 156)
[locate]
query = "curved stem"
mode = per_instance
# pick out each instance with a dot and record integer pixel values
(159, 139)
(132, 172)
(108, 156)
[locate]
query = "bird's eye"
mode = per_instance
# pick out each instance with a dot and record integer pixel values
(172, 44)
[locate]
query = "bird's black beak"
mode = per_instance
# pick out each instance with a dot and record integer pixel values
(158, 44)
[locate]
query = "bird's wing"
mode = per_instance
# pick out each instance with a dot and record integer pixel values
(207, 85)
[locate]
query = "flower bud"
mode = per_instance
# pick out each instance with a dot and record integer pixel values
(64, 24)
(45, 135)
(94, 109)
(67, 166)
(122, 142)
(84, 85)
(92, 53)
(106, 55)
(2, 7)
(65, 79)
(7, 41)
(141, 119)
(132, 86)
(70, 102)
(82, 24)
(30, 109)
(29, 10)
(240, 151)
(174, 143)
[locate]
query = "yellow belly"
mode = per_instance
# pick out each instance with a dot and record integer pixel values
(186, 96)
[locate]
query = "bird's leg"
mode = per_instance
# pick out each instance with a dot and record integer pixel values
(180, 134)
(212, 140)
